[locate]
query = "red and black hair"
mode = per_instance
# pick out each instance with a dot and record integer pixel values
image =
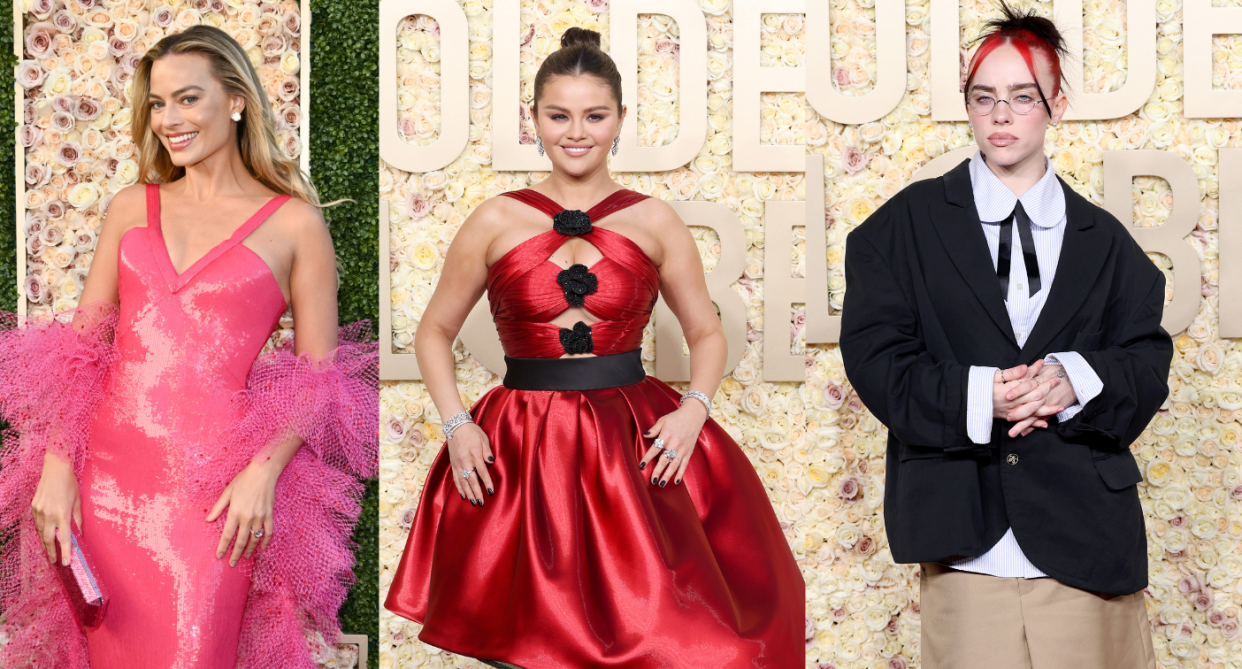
(1029, 34)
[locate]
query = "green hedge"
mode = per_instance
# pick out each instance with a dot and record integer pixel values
(8, 196)
(344, 157)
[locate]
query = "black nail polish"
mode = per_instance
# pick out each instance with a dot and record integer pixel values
(678, 481)
(491, 459)
(662, 483)
(642, 464)
(473, 503)
(461, 495)
(489, 491)
(653, 480)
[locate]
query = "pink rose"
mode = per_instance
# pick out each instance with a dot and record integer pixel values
(1216, 617)
(1236, 493)
(834, 396)
(289, 89)
(407, 519)
(1178, 521)
(110, 166)
(810, 628)
(407, 128)
(1230, 629)
(87, 109)
(201, 5)
(39, 39)
(34, 247)
(64, 21)
(68, 154)
(30, 74)
(34, 224)
(85, 4)
(866, 546)
(666, 46)
(853, 160)
(841, 76)
(292, 146)
(51, 236)
(530, 35)
(162, 16)
(36, 172)
(217, 6)
(273, 45)
(41, 8)
(1203, 600)
(851, 488)
(597, 6)
(854, 404)
(290, 115)
(31, 135)
(117, 47)
(838, 615)
(1188, 584)
(826, 665)
(55, 210)
(28, 111)
(130, 62)
(418, 206)
(35, 289)
(292, 23)
(897, 662)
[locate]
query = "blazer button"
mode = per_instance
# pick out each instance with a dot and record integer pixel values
(1012, 459)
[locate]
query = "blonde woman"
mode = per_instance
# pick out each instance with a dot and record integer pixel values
(214, 486)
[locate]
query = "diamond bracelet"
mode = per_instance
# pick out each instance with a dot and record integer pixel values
(455, 421)
(700, 397)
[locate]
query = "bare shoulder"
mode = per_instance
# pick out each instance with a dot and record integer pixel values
(487, 222)
(127, 210)
(301, 221)
(656, 215)
(656, 220)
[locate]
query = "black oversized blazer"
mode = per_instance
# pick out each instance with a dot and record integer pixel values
(924, 304)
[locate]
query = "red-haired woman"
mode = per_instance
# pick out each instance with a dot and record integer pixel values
(1007, 331)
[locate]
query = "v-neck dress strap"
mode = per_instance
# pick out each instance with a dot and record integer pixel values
(153, 206)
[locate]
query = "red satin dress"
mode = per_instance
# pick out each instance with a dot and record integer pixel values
(578, 560)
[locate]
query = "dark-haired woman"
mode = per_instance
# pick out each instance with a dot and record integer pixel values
(585, 514)
(1007, 332)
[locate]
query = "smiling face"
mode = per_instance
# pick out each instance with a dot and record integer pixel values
(577, 119)
(190, 110)
(1006, 138)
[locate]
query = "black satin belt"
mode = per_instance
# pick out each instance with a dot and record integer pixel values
(604, 371)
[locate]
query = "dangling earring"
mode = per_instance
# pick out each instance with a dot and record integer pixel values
(236, 116)
(615, 143)
(539, 145)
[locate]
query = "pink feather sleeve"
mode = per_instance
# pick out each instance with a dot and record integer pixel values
(300, 580)
(54, 372)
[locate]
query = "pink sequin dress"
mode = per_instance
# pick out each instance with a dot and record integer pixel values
(186, 401)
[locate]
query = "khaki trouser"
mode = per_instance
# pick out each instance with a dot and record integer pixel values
(976, 621)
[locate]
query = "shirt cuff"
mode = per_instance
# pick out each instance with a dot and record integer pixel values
(1087, 384)
(979, 404)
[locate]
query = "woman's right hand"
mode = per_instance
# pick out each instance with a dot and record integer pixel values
(56, 503)
(470, 449)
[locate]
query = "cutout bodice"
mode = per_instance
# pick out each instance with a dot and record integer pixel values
(527, 290)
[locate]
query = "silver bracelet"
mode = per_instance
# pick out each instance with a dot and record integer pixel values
(455, 421)
(702, 397)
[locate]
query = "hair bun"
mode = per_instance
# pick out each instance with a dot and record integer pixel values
(576, 36)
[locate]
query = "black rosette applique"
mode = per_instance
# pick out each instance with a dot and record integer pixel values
(577, 340)
(571, 222)
(577, 282)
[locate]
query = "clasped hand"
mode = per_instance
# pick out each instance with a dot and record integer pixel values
(1027, 395)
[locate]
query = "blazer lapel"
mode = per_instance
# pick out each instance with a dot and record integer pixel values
(1084, 251)
(961, 232)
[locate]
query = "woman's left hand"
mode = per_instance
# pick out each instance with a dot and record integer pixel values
(249, 499)
(679, 431)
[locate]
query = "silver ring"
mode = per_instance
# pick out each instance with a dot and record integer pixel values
(465, 473)
(670, 454)
(659, 443)
(257, 534)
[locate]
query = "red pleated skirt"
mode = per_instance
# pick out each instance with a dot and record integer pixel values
(579, 561)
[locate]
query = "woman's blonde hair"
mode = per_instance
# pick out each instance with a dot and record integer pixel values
(256, 132)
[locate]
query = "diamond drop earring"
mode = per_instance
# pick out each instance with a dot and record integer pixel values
(539, 145)
(236, 116)
(615, 143)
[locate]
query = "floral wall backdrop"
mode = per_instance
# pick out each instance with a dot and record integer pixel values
(815, 446)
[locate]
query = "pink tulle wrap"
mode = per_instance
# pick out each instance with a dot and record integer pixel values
(53, 376)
